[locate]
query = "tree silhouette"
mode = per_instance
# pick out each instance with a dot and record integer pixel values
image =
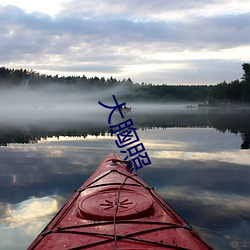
(223, 93)
(246, 69)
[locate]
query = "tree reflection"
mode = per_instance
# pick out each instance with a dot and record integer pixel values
(231, 121)
(246, 141)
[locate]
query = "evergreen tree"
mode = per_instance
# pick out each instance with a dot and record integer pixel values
(246, 69)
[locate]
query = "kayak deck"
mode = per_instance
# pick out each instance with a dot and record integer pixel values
(115, 209)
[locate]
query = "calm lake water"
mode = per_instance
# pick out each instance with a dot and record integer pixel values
(198, 167)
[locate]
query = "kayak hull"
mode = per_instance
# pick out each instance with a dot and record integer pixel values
(116, 209)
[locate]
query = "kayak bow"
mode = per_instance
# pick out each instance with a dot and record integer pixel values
(115, 209)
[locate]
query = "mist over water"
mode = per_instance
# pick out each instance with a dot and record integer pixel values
(55, 102)
(59, 107)
(60, 102)
(54, 137)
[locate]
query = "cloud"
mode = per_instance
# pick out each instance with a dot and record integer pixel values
(149, 9)
(115, 38)
(115, 30)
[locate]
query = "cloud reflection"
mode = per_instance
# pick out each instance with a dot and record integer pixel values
(198, 171)
(228, 203)
(29, 212)
(235, 156)
(22, 222)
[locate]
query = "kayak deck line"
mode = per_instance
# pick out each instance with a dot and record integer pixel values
(124, 222)
(130, 239)
(119, 237)
(115, 183)
(116, 209)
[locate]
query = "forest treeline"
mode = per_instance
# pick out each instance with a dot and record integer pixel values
(236, 91)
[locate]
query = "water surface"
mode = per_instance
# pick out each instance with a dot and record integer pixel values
(198, 167)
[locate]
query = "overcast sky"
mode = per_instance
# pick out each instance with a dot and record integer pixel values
(157, 41)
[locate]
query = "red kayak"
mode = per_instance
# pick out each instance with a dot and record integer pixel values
(116, 209)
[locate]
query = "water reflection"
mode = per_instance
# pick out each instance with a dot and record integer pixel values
(29, 210)
(82, 125)
(197, 166)
(20, 222)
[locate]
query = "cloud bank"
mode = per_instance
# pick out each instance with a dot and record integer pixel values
(183, 42)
